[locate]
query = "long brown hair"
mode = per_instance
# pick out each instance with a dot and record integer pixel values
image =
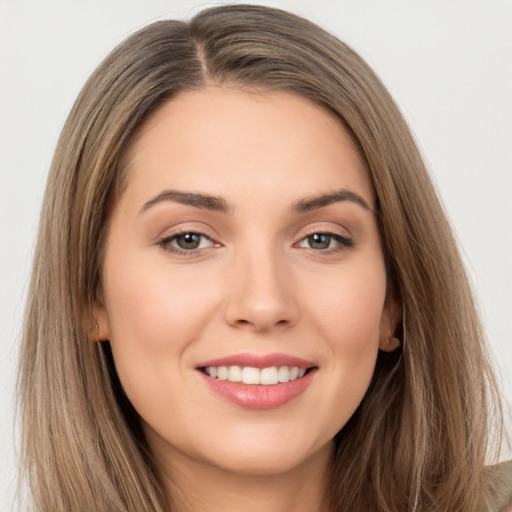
(420, 437)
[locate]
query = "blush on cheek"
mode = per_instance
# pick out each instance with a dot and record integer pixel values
(155, 303)
(357, 321)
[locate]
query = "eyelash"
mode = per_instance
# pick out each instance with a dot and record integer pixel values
(343, 243)
(165, 243)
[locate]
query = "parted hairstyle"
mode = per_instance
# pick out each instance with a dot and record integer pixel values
(419, 439)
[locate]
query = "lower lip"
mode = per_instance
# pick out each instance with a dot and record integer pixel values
(253, 396)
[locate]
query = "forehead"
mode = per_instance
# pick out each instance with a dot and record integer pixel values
(222, 140)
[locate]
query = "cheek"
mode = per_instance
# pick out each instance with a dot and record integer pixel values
(348, 319)
(154, 315)
(348, 309)
(148, 303)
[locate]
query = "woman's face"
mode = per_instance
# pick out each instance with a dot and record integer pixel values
(244, 247)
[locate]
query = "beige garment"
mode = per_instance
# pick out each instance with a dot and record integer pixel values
(501, 475)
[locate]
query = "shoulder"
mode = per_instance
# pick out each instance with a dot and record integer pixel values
(501, 487)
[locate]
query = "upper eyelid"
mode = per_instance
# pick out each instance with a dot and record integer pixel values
(182, 228)
(297, 232)
(343, 232)
(200, 228)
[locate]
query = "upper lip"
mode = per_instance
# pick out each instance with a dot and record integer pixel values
(258, 361)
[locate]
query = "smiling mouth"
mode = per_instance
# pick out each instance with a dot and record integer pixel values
(258, 382)
(256, 376)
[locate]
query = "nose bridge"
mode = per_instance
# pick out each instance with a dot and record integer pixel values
(260, 288)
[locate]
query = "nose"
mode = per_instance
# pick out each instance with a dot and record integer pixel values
(260, 293)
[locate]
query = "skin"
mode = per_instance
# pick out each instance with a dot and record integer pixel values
(256, 284)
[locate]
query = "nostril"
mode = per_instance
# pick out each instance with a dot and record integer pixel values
(261, 325)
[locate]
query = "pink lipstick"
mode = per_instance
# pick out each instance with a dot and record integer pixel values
(257, 381)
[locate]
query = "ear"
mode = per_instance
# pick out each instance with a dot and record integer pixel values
(100, 328)
(391, 316)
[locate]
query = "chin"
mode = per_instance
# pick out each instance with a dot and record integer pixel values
(262, 458)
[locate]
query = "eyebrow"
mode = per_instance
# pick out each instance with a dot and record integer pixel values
(313, 203)
(219, 204)
(214, 203)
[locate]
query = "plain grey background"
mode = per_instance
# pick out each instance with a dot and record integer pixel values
(448, 65)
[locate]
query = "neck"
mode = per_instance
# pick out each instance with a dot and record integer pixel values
(194, 486)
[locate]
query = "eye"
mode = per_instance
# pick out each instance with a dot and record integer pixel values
(185, 242)
(325, 241)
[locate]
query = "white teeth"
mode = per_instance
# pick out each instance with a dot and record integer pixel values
(269, 376)
(249, 375)
(283, 374)
(235, 374)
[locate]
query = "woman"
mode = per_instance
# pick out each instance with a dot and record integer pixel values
(245, 292)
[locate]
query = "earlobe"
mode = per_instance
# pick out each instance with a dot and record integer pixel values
(389, 344)
(100, 327)
(103, 330)
(391, 315)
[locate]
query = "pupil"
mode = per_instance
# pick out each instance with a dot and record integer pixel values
(319, 241)
(189, 241)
